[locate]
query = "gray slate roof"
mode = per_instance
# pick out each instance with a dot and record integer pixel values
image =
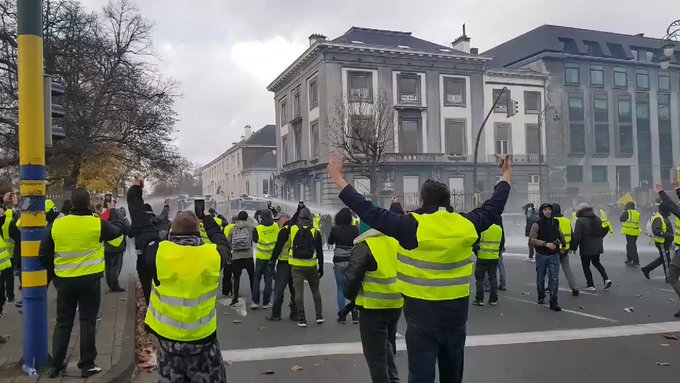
(265, 136)
(576, 41)
(267, 161)
(392, 39)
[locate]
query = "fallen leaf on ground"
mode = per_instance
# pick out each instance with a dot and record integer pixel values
(639, 295)
(296, 368)
(525, 293)
(671, 336)
(268, 372)
(229, 362)
(4, 338)
(582, 307)
(663, 364)
(236, 321)
(665, 344)
(629, 309)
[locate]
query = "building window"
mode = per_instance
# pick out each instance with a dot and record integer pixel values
(625, 124)
(362, 185)
(665, 132)
(532, 102)
(502, 105)
(410, 137)
(642, 77)
(664, 81)
(455, 137)
(644, 137)
(298, 142)
(577, 134)
(620, 77)
(284, 112)
(248, 187)
(649, 55)
(297, 110)
(532, 138)
(635, 54)
(596, 75)
(360, 86)
(571, 74)
(599, 173)
(314, 137)
(664, 105)
(601, 114)
(265, 186)
(411, 187)
(313, 93)
(408, 88)
(454, 91)
(502, 140)
(574, 174)
(360, 128)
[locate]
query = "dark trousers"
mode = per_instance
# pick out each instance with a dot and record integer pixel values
(427, 346)
(262, 270)
(378, 330)
(82, 294)
(145, 276)
(114, 264)
(8, 283)
(631, 250)
(674, 272)
(586, 261)
(227, 285)
(550, 265)
(283, 278)
(531, 252)
(237, 267)
(311, 275)
(484, 268)
(3, 299)
(664, 258)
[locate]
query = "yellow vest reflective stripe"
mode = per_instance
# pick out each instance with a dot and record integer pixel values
(565, 227)
(117, 242)
(5, 256)
(677, 232)
(605, 221)
(266, 239)
(182, 307)
(632, 225)
(297, 261)
(490, 243)
(664, 228)
(379, 288)
(77, 247)
(440, 267)
(9, 242)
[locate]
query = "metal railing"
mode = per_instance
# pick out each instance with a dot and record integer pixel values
(299, 164)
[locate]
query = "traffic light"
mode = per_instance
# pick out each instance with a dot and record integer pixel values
(513, 107)
(52, 89)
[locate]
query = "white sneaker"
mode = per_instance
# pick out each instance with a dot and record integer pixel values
(254, 306)
(607, 284)
(267, 306)
(590, 288)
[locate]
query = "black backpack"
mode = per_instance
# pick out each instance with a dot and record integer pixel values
(304, 244)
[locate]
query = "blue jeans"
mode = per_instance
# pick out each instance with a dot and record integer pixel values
(262, 269)
(339, 269)
(549, 264)
(430, 346)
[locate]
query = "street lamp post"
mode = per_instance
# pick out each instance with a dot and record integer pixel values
(668, 47)
(541, 120)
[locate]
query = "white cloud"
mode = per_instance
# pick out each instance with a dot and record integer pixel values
(264, 60)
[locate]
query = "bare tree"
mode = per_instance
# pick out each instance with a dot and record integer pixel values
(363, 132)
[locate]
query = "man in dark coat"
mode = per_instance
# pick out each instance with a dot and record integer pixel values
(546, 237)
(588, 235)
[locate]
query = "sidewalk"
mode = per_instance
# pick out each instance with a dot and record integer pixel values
(115, 339)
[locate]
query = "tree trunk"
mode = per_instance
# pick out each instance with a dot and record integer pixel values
(71, 181)
(373, 177)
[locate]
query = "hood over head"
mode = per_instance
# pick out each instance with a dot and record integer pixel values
(305, 217)
(266, 217)
(557, 210)
(540, 209)
(343, 217)
(630, 205)
(584, 210)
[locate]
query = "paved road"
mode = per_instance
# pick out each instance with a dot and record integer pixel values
(593, 339)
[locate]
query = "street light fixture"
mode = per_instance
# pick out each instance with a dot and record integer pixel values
(668, 47)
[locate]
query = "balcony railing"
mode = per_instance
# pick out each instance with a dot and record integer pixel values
(299, 164)
(518, 158)
(427, 157)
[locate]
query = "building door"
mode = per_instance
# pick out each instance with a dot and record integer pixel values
(534, 190)
(457, 189)
(622, 179)
(411, 192)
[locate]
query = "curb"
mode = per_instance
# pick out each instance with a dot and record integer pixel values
(122, 371)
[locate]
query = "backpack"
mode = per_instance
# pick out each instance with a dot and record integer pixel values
(303, 244)
(241, 239)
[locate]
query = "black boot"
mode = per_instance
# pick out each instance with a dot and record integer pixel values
(677, 315)
(554, 306)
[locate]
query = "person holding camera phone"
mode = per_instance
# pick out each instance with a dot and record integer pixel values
(546, 237)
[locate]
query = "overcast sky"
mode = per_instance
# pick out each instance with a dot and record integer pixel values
(224, 53)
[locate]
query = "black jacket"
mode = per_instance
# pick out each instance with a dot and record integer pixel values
(361, 261)
(143, 228)
(588, 233)
(675, 210)
(342, 236)
(119, 249)
(112, 229)
(546, 230)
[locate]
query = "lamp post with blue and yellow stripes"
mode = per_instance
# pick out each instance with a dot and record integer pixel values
(32, 170)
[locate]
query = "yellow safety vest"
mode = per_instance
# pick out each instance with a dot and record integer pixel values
(355, 221)
(77, 247)
(664, 228)
(266, 239)
(182, 307)
(677, 232)
(117, 241)
(9, 242)
(379, 288)
(565, 227)
(5, 256)
(204, 234)
(297, 261)
(317, 222)
(228, 229)
(631, 226)
(490, 243)
(440, 267)
(605, 221)
(285, 252)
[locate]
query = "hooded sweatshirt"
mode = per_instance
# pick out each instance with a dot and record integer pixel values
(242, 254)
(305, 219)
(266, 219)
(546, 230)
(343, 235)
(588, 232)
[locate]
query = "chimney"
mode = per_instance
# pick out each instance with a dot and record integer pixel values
(248, 132)
(474, 51)
(314, 37)
(462, 43)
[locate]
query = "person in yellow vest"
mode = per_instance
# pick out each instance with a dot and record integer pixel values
(434, 266)
(317, 222)
(72, 252)
(283, 276)
(12, 237)
(264, 235)
(113, 255)
(241, 242)
(5, 264)
(567, 230)
(673, 277)
(371, 282)
(227, 283)
(631, 230)
(662, 230)
(605, 221)
(488, 251)
(182, 311)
